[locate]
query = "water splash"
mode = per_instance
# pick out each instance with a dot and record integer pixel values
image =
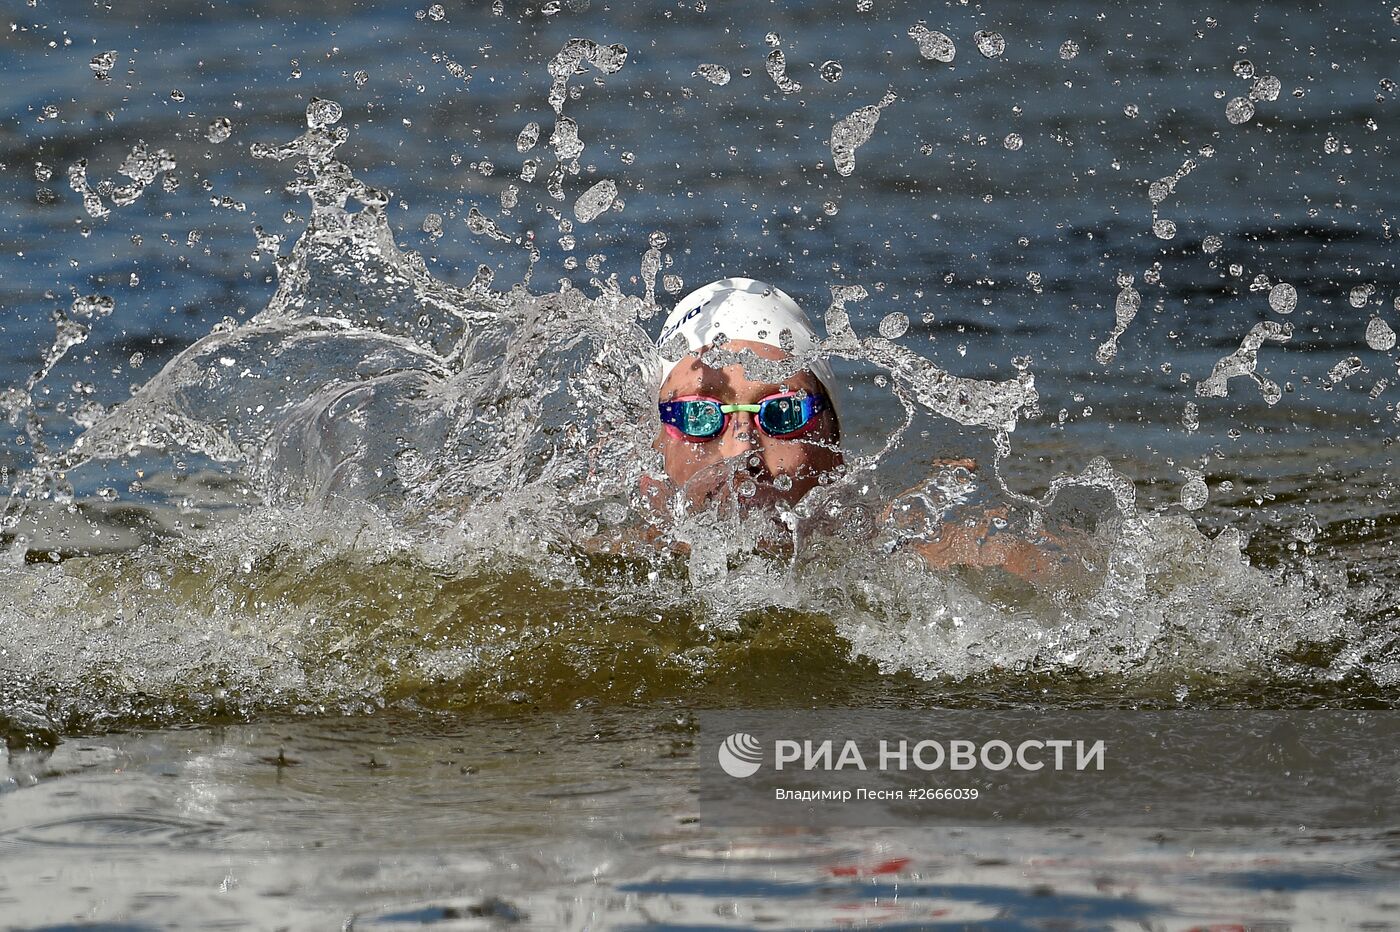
(102, 64)
(776, 66)
(430, 496)
(595, 201)
(1379, 335)
(990, 44)
(1283, 298)
(852, 132)
(564, 139)
(1243, 361)
(1239, 110)
(1125, 308)
(715, 74)
(932, 44)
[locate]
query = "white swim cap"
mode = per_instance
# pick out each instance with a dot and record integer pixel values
(743, 309)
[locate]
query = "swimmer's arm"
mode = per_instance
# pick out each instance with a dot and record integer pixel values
(978, 544)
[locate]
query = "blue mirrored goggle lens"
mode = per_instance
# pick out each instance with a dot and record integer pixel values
(785, 415)
(694, 418)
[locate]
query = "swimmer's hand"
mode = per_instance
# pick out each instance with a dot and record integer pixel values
(980, 537)
(976, 542)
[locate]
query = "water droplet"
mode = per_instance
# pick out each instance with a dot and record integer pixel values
(436, 12)
(1360, 295)
(1164, 229)
(672, 284)
(1211, 244)
(321, 112)
(1131, 111)
(432, 225)
(851, 132)
(1012, 141)
(1190, 417)
(830, 71)
(1244, 68)
(773, 40)
(932, 44)
(1266, 88)
(177, 95)
(1239, 110)
(990, 44)
(361, 78)
(829, 208)
(1283, 298)
(103, 64)
(894, 325)
(782, 482)
(1194, 493)
(219, 130)
(42, 172)
(658, 240)
(776, 66)
(748, 488)
(1069, 49)
(1344, 370)
(717, 75)
(528, 137)
(97, 305)
(1379, 335)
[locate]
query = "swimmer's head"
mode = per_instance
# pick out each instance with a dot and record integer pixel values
(745, 457)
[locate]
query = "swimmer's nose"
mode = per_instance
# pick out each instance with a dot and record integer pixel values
(738, 436)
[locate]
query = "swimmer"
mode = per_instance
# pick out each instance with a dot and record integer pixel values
(745, 436)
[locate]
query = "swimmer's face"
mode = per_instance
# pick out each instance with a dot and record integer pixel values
(782, 469)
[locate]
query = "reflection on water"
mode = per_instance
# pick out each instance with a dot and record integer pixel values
(587, 820)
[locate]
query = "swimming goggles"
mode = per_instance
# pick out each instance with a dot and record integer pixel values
(780, 415)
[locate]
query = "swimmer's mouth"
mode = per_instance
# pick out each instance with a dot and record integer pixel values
(728, 496)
